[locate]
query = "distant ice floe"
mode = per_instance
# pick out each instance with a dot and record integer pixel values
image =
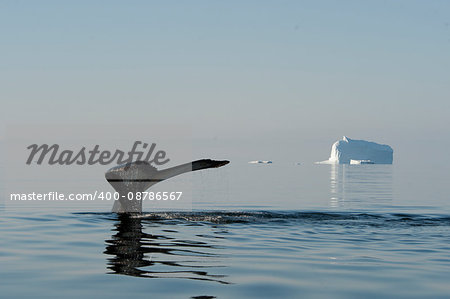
(360, 152)
(359, 162)
(260, 162)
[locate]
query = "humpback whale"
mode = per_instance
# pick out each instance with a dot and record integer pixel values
(138, 176)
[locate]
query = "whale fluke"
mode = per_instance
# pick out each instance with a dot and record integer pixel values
(140, 175)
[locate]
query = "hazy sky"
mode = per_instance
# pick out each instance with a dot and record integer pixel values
(272, 70)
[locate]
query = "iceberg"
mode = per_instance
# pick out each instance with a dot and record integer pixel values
(359, 162)
(260, 162)
(350, 151)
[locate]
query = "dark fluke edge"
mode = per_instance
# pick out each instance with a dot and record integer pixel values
(140, 175)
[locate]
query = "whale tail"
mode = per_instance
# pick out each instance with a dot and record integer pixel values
(140, 175)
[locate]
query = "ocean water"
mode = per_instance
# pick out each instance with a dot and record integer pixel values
(255, 231)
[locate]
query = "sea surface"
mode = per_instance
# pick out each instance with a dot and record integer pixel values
(254, 231)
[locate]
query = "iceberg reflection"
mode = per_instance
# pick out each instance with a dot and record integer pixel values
(353, 184)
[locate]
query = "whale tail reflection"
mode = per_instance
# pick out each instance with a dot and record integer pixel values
(133, 252)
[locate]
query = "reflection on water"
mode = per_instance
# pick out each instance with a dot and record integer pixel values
(268, 254)
(136, 253)
(360, 183)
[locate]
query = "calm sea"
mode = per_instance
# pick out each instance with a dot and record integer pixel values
(256, 231)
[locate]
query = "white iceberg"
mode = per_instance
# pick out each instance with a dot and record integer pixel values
(260, 162)
(359, 162)
(360, 151)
